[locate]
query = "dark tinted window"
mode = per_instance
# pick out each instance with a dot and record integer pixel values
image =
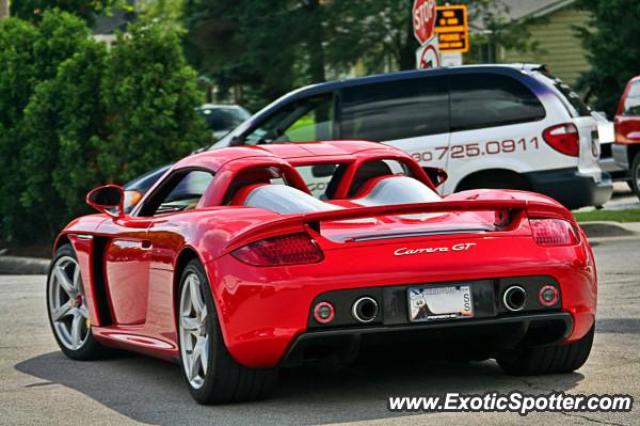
(632, 102)
(488, 100)
(396, 109)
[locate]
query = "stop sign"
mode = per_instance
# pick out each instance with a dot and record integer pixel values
(424, 19)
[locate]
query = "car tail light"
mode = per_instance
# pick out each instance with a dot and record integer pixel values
(548, 295)
(324, 312)
(278, 251)
(564, 138)
(553, 232)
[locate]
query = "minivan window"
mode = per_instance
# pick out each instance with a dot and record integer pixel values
(308, 120)
(489, 100)
(573, 98)
(632, 102)
(395, 110)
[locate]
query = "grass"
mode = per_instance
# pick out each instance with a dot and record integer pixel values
(609, 215)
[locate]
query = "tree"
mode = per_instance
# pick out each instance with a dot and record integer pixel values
(611, 42)
(74, 114)
(63, 128)
(149, 95)
(261, 49)
(29, 55)
(33, 10)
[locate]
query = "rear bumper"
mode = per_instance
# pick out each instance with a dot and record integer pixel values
(570, 188)
(344, 344)
(264, 312)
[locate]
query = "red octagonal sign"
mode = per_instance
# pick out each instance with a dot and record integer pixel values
(424, 19)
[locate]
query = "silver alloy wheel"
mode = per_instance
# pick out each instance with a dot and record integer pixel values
(67, 305)
(194, 335)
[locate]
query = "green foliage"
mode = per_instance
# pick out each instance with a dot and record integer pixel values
(33, 10)
(74, 114)
(149, 95)
(29, 55)
(258, 50)
(611, 40)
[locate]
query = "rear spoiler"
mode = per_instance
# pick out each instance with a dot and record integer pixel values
(296, 223)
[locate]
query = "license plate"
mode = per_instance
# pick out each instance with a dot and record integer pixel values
(436, 303)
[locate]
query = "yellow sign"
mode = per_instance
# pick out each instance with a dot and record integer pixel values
(452, 27)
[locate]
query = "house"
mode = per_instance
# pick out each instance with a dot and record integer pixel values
(105, 26)
(551, 24)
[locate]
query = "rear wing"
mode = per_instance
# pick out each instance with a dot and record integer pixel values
(297, 223)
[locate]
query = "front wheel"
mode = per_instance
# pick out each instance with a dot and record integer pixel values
(212, 375)
(547, 359)
(67, 307)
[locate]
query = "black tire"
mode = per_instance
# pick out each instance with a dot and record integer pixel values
(634, 174)
(548, 359)
(226, 381)
(494, 180)
(90, 349)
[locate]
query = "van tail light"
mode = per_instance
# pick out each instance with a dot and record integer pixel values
(294, 249)
(553, 232)
(564, 138)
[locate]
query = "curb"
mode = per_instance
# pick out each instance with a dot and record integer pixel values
(605, 229)
(16, 265)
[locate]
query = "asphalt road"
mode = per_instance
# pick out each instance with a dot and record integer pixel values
(38, 385)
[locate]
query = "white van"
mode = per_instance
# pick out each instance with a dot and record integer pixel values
(497, 126)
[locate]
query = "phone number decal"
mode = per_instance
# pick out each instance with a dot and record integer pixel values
(471, 150)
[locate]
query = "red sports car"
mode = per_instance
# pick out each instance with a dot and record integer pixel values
(232, 268)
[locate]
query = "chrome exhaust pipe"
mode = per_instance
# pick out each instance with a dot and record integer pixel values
(514, 298)
(365, 309)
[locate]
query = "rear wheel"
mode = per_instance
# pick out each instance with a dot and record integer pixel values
(212, 375)
(635, 175)
(66, 304)
(547, 359)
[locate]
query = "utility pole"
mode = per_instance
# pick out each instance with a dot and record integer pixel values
(4, 9)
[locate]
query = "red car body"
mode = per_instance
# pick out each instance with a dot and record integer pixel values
(626, 149)
(130, 265)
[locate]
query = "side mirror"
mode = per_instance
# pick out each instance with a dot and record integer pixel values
(323, 170)
(438, 176)
(107, 199)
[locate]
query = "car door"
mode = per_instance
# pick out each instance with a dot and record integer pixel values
(411, 114)
(182, 192)
(126, 260)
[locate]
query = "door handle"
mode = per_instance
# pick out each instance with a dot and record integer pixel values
(146, 244)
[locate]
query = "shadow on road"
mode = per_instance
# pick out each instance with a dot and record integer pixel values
(151, 391)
